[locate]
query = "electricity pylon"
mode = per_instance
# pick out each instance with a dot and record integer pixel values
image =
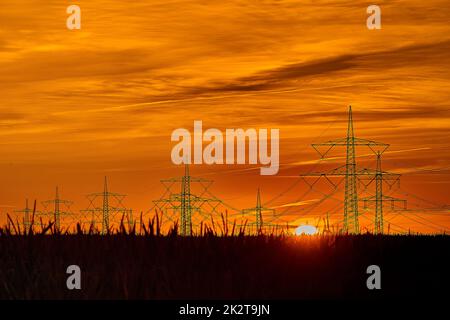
(105, 213)
(108, 210)
(26, 216)
(380, 198)
(258, 211)
(379, 220)
(56, 213)
(349, 171)
(192, 209)
(186, 210)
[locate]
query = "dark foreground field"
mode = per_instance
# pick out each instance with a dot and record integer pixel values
(138, 267)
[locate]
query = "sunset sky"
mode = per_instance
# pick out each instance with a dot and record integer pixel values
(76, 105)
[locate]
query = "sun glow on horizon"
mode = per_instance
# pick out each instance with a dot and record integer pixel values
(306, 229)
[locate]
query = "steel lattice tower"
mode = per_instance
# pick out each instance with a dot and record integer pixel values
(184, 205)
(107, 209)
(26, 216)
(351, 194)
(379, 197)
(258, 213)
(259, 218)
(105, 212)
(380, 177)
(57, 202)
(349, 171)
(186, 209)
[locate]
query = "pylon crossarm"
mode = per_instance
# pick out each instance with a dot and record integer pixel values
(195, 198)
(253, 210)
(47, 202)
(180, 179)
(384, 199)
(357, 142)
(393, 182)
(322, 154)
(332, 143)
(364, 173)
(118, 197)
(213, 203)
(50, 212)
(311, 185)
(367, 173)
(174, 197)
(389, 198)
(385, 147)
(339, 171)
(192, 198)
(370, 143)
(91, 210)
(101, 194)
(343, 142)
(117, 209)
(318, 176)
(207, 200)
(331, 182)
(200, 205)
(248, 211)
(369, 198)
(365, 181)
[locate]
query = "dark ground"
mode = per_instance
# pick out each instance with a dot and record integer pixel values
(138, 267)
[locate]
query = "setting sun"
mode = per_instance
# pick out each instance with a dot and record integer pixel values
(306, 229)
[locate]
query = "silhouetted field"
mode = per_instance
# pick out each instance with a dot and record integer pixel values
(124, 266)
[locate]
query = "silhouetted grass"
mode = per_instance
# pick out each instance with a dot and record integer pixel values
(140, 262)
(128, 266)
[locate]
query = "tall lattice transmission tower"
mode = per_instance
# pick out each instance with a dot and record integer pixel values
(112, 204)
(26, 222)
(349, 171)
(187, 207)
(379, 198)
(59, 208)
(258, 211)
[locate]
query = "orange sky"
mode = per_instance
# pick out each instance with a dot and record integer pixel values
(78, 105)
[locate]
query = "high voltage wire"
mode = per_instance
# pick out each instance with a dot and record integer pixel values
(424, 200)
(330, 124)
(424, 224)
(350, 173)
(436, 226)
